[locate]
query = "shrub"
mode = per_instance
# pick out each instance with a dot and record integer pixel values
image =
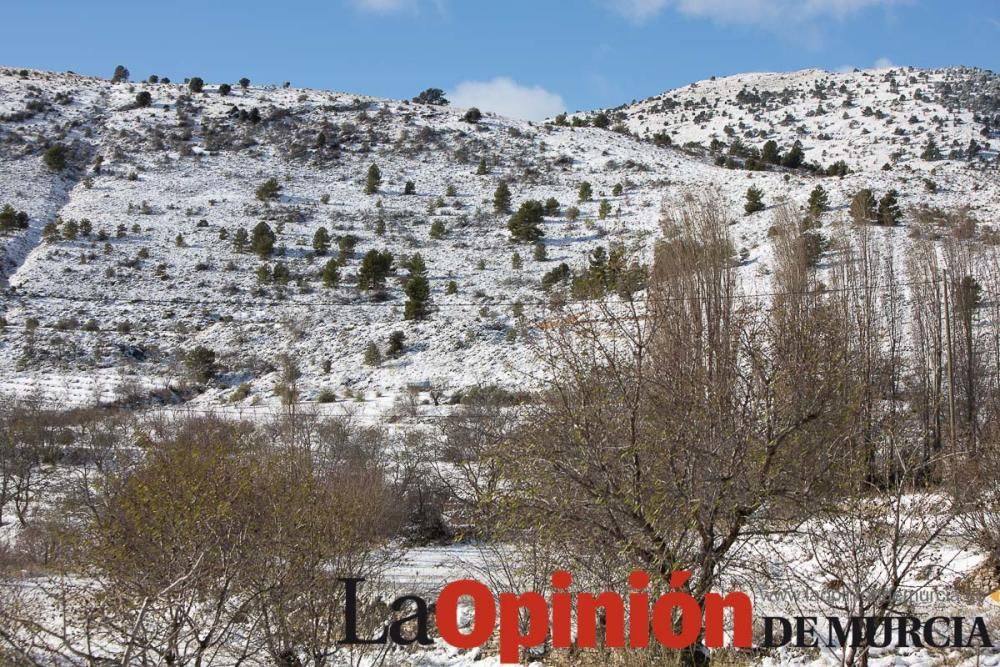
(604, 209)
(321, 241)
(326, 396)
(268, 190)
(525, 225)
(225, 89)
(501, 198)
(375, 268)
(473, 115)
(244, 83)
(586, 192)
(482, 169)
(438, 230)
(372, 355)
(331, 274)
(196, 84)
(452, 288)
(432, 96)
(515, 261)
(200, 363)
(418, 291)
(863, 207)
(552, 207)
(410, 188)
(755, 200)
(55, 157)
(397, 343)
(262, 239)
(617, 190)
(889, 213)
(540, 254)
(240, 239)
(373, 180)
(572, 213)
(143, 99)
(120, 75)
(819, 201)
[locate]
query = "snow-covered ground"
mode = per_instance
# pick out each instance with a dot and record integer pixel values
(176, 175)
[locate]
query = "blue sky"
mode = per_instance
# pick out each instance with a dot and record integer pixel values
(528, 58)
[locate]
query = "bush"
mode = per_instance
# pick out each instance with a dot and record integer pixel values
(244, 83)
(331, 274)
(863, 207)
(372, 355)
(143, 99)
(586, 192)
(375, 268)
(501, 198)
(525, 225)
(889, 213)
(262, 239)
(397, 344)
(225, 89)
(373, 180)
(755, 200)
(410, 188)
(268, 190)
(438, 230)
(200, 363)
(196, 84)
(552, 207)
(432, 96)
(540, 254)
(604, 209)
(321, 241)
(473, 115)
(55, 157)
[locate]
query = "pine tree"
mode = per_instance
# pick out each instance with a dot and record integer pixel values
(501, 198)
(121, 74)
(863, 207)
(515, 261)
(755, 200)
(240, 239)
(819, 201)
(770, 153)
(262, 240)
(321, 241)
(410, 188)
(552, 207)
(225, 89)
(931, 151)
(143, 98)
(244, 83)
(331, 274)
(604, 209)
(586, 192)
(196, 84)
(55, 157)
(268, 190)
(889, 213)
(525, 225)
(375, 268)
(373, 181)
(482, 169)
(372, 355)
(397, 343)
(794, 158)
(438, 230)
(418, 291)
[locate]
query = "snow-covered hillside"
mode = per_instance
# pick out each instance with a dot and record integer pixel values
(166, 188)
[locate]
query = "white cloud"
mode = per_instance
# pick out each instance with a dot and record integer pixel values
(506, 97)
(763, 12)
